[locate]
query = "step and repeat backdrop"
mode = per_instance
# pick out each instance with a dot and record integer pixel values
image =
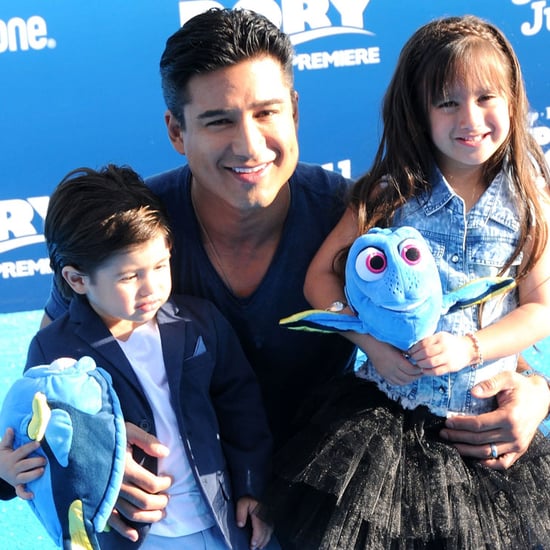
(79, 86)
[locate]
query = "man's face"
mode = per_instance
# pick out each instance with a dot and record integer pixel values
(240, 133)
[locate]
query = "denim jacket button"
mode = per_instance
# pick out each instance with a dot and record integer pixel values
(454, 258)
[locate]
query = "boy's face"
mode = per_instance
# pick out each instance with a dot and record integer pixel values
(130, 287)
(240, 133)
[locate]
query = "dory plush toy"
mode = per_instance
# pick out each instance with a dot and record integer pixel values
(72, 409)
(393, 285)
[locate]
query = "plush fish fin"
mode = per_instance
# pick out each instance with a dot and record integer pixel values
(319, 320)
(476, 292)
(77, 529)
(59, 435)
(41, 415)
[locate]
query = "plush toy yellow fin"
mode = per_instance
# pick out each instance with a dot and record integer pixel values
(41, 415)
(319, 320)
(79, 537)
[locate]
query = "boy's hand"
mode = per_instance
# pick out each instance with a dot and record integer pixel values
(16, 467)
(261, 531)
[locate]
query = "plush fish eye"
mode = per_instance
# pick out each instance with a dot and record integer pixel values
(410, 251)
(371, 264)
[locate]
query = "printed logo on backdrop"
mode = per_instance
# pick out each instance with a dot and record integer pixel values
(21, 223)
(306, 22)
(535, 19)
(20, 35)
(538, 17)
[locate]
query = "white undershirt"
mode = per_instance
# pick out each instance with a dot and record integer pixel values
(186, 512)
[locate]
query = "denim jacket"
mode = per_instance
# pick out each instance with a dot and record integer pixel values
(466, 245)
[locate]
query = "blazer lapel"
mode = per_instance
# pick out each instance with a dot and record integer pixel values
(91, 329)
(175, 345)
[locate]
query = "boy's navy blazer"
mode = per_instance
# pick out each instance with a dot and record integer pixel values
(214, 394)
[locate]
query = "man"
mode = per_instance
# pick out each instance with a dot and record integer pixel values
(247, 220)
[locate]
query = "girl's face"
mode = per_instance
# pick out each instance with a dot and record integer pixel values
(468, 126)
(130, 287)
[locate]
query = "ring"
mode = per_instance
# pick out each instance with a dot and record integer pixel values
(494, 451)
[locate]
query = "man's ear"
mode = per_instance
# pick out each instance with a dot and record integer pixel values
(76, 280)
(294, 100)
(174, 132)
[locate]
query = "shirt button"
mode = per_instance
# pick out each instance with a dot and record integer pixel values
(441, 390)
(145, 425)
(454, 258)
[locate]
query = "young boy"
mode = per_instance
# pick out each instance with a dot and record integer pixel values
(176, 364)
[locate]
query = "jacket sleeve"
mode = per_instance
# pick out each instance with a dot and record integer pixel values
(7, 492)
(35, 355)
(244, 431)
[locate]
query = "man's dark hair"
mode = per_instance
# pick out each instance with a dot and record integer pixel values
(216, 39)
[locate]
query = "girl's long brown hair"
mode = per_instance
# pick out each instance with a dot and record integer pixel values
(440, 54)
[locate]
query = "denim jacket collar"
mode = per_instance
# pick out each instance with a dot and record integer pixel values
(442, 193)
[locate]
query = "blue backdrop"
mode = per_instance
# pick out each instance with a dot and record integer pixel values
(80, 87)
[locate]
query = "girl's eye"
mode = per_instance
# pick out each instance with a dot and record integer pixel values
(371, 264)
(487, 97)
(266, 113)
(448, 104)
(410, 251)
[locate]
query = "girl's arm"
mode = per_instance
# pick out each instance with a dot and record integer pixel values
(516, 331)
(323, 287)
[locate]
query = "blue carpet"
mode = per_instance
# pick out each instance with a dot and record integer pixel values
(19, 529)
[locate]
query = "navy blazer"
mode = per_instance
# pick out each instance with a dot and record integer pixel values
(214, 394)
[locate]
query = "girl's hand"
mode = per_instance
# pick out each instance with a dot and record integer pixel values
(15, 466)
(261, 531)
(390, 363)
(443, 353)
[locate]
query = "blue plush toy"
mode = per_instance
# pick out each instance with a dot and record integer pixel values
(393, 285)
(71, 407)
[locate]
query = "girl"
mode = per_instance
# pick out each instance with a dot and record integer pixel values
(457, 162)
(176, 365)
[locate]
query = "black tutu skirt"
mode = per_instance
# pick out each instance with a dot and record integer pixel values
(364, 473)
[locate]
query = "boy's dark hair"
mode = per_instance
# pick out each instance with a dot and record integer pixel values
(95, 214)
(216, 39)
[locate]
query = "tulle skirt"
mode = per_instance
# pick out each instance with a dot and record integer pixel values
(365, 473)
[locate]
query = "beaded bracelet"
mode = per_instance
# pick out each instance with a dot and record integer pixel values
(477, 349)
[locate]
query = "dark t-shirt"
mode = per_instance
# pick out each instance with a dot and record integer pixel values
(288, 363)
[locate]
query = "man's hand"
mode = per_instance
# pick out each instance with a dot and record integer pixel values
(522, 405)
(261, 531)
(141, 496)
